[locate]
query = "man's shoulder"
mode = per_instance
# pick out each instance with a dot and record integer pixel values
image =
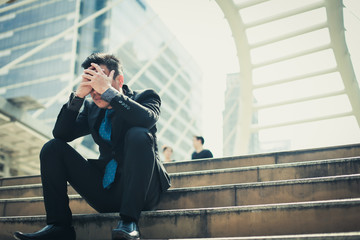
(145, 94)
(147, 91)
(206, 152)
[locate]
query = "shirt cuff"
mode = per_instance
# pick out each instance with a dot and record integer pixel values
(109, 94)
(75, 102)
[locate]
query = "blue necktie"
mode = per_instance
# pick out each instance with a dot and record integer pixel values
(105, 133)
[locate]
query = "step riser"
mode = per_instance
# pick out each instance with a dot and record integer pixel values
(20, 181)
(262, 174)
(36, 207)
(265, 159)
(265, 174)
(35, 191)
(208, 223)
(241, 196)
(216, 197)
(252, 223)
(190, 166)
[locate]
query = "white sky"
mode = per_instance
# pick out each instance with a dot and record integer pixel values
(200, 26)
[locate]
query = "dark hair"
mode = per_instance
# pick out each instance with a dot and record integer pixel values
(200, 138)
(167, 147)
(109, 60)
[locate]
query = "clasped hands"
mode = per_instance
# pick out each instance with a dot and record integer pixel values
(94, 78)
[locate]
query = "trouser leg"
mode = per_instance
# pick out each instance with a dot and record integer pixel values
(140, 182)
(60, 164)
(136, 187)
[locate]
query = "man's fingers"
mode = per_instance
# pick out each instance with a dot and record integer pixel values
(87, 76)
(111, 75)
(98, 68)
(84, 84)
(88, 71)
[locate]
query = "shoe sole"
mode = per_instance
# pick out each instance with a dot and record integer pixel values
(120, 235)
(17, 238)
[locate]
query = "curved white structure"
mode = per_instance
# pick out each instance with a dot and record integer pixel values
(287, 43)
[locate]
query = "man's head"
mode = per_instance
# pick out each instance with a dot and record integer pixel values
(107, 62)
(167, 151)
(198, 142)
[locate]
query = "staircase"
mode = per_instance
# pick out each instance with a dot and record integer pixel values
(305, 194)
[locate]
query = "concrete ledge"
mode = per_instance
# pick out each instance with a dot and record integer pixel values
(344, 151)
(325, 188)
(20, 180)
(283, 191)
(272, 219)
(319, 236)
(247, 174)
(25, 191)
(267, 173)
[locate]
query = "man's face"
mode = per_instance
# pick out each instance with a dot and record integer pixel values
(168, 152)
(196, 142)
(97, 97)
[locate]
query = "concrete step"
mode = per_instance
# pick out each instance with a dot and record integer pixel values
(315, 236)
(272, 172)
(20, 180)
(313, 189)
(263, 173)
(26, 191)
(345, 151)
(267, 173)
(270, 219)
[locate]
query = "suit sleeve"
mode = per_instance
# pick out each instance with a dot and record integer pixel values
(71, 124)
(142, 112)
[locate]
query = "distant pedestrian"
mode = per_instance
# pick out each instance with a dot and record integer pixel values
(168, 151)
(200, 152)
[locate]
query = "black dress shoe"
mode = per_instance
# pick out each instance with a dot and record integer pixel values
(126, 230)
(50, 232)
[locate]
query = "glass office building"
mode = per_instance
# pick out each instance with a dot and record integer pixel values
(43, 43)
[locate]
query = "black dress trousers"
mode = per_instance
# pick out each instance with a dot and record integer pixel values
(136, 186)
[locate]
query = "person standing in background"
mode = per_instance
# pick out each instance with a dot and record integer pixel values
(168, 151)
(200, 152)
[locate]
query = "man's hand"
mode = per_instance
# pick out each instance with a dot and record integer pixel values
(84, 89)
(97, 79)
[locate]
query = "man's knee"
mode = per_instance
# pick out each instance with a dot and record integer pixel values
(138, 135)
(53, 146)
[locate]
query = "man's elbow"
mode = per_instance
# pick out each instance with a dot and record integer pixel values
(60, 135)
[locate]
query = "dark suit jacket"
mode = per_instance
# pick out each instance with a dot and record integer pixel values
(134, 109)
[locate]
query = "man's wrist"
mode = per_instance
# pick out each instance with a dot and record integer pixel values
(75, 102)
(109, 94)
(77, 95)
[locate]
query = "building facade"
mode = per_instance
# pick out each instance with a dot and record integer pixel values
(43, 43)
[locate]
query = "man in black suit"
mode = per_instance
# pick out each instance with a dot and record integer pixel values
(128, 177)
